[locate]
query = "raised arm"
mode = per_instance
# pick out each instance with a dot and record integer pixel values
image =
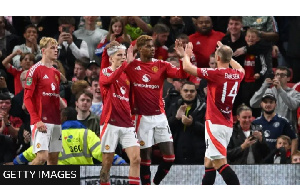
(186, 57)
(7, 61)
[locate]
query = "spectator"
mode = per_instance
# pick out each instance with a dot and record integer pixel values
(3, 84)
(80, 70)
(173, 93)
(178, 25)
(247, 144)
(288, 100)
(117, 32)
(235, 38)
(255, 69)
(46, 25)
(169, 82)
(97, 104)
(268, 31)
(186, 118)
(136, 26)
(76, 87)
(9, 124)
(92, 71)
(296, 157)
(26, 61)
(70, 48)
(80, 145)
(7, 39)
(204, 41)
(91, 35)
(84, 115)
(30, 45)
(282, 153)
(274, 125)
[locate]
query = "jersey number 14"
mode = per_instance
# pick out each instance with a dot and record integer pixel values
(232, 93)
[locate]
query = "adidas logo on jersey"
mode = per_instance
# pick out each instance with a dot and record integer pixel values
(45, 77)
(198, 43)
(138, 68)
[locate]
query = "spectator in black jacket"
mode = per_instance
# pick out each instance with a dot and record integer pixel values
(186, 120)
(247, 144)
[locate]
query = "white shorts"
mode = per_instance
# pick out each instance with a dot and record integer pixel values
(217, 138)
(50, 141)
(110, 135)
(152, 130)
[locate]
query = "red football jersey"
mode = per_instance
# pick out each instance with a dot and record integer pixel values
(204, 46)
(41, 94)
(222, 87)
(115, 88)
(16, 73)
(147, 83)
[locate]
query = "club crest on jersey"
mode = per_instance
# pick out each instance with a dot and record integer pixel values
(146, 78)
(154, 69)
(127, 82)
(29, 81)
(276, 124)
(56, 77)
(53, 86)
(123, 90)
(142, 143)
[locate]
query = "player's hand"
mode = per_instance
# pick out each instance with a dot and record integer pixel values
(41, 127)
(189, 49)
(248, 142)
(187, 120)
(256, 76)
(180, 112)
(179, 48)
(276, 83)
(130, 55)
(219, 43)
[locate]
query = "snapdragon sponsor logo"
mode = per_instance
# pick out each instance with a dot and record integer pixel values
(51, 94)
(146, 86)
(120, 97)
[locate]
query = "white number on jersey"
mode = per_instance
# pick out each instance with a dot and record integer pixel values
(232, 93)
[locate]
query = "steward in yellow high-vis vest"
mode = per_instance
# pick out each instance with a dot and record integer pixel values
(79, 146)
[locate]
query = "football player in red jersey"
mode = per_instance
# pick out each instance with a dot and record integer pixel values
(116, 124)
(147, 76)
(223, 84)
(42, 100)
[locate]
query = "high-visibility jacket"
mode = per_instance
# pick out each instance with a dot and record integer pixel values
(79, 146)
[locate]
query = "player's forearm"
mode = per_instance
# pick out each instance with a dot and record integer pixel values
(234, 64)
(187, 66)
(30, 108)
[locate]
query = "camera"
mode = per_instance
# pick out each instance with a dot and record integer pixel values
(66, 29)
(270, 74)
